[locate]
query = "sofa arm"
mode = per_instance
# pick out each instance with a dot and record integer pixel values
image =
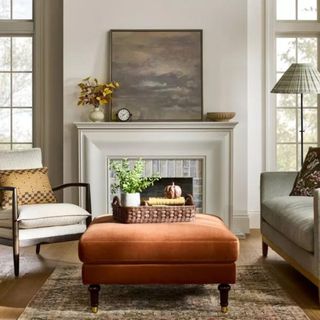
(276, 184)
(316, 199)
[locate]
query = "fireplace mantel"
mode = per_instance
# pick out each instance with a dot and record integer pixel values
(194, 125)
(210, 141)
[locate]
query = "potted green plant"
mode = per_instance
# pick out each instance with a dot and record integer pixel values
(96, 94)
(130, 181)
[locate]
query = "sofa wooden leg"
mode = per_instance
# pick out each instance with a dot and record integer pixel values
(224, 295)
(94, 297)
(16, 259)
(264, 249)
(38, 248)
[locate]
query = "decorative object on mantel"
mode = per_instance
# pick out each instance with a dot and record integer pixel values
(154, 213)
(130, 181)
(160, 72)
(220, 116)
(300, 78)
(97, 94)
(123, 114)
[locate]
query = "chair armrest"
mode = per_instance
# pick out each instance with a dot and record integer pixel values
(15, 223)
(73, 184)
(14, 201)
(276, 184)
(81, 185)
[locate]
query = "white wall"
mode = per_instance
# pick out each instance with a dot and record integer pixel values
(256, 103)
(224, 24)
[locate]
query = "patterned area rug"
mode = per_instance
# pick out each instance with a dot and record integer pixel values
(255, 296)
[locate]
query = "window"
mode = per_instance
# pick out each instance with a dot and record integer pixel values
(293, 37)
(296, 9)
(294, 50)
(16, 74)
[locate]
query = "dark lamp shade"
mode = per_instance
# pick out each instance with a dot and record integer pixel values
(299, 78)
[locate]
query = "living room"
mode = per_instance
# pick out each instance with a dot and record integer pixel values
(185, 86)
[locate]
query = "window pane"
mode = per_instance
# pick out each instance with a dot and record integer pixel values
(309, 100)
(4, 90)
(22, 125)
(286, 100)
(286, 53)
(307, 9)
(286, 9)
(17, 146)
(22, 89)
(22, 9)
(5, 125)
(307, 50)
(22, 54)
(6, 146)
(5, 9)
(286, 157)
(309, 125)
(4, 53)
(286, 125)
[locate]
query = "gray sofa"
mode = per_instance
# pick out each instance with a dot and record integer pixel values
(290, 225)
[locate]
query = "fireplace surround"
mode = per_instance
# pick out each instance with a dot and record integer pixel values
(212, 142)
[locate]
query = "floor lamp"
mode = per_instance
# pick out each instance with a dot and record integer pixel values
(300, 78)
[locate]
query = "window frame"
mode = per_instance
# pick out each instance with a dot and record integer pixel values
(282, 28)
(35, 29)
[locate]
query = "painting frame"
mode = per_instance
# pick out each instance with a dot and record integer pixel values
(192, 112)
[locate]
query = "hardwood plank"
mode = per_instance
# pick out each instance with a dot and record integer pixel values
(15, 294)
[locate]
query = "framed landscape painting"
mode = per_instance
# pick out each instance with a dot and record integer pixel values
(160, 74)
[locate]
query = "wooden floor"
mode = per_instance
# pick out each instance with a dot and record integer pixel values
(15, 294)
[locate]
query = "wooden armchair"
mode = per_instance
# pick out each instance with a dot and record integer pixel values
(37, 224)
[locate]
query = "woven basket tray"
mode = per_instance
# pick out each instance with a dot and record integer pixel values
(154, 214)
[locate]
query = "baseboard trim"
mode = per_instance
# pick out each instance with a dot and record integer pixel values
(254, 218)
(241, 224)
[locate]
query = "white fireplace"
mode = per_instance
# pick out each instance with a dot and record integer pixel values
(210, 142)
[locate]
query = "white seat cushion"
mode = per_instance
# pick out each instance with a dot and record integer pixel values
(28, 234)
(44, 215)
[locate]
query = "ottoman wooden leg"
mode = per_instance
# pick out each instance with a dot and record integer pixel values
(94, 297)
(224, 293)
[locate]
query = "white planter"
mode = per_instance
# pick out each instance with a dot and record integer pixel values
(96, 115)
(130, 199)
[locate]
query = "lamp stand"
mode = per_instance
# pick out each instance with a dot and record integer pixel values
(301, 130)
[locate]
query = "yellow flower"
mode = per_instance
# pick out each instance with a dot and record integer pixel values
(92, 92)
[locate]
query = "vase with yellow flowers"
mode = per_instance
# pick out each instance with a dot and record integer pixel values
(96, 94)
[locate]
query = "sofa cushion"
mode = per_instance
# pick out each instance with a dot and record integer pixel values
(308, 178)
(33, 186)
(293, 217)
(44, 215)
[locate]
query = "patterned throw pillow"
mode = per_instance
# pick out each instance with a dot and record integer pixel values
(308, 178)
(33, 186)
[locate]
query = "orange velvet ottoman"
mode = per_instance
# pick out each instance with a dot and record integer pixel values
(200, 252)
